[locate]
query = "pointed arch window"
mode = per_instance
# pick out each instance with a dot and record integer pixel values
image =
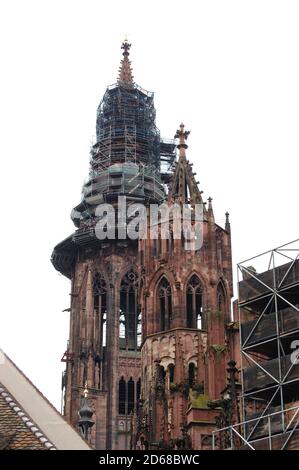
(165, 303)
(100, 305)
(194, 301)
(129, 314)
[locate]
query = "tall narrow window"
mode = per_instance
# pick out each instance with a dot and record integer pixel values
(191, 374)
(129, 317)
(139, 329)
(131, 395)
(171, 373)
(122, 397)
(165, 303)
(194, 303)
(161, 376)
(122, 330)
(100, 305)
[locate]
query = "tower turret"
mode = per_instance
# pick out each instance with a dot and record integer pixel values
(185, 299)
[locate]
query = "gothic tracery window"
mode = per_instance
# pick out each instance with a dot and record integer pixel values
(128, 395)
(165, 303)
(129, 314)
(100, 305)
(194, 303)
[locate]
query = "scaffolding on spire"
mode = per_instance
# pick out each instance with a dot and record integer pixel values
(129, 156)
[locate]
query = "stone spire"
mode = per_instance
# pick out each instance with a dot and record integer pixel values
(125, 77)
(184, 187)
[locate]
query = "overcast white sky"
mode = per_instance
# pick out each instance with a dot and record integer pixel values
(228, 69)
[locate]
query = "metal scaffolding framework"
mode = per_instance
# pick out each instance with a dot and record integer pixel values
(271, 436)
(268, 290)
(129, 157)
(126, 130)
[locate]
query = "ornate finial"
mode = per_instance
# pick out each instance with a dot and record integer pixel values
(85, 414)
(126, 47)
(210, 199)
(183, 136)
(125, 77)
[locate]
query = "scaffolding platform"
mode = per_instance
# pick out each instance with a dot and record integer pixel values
(268, 287)
(278, 430)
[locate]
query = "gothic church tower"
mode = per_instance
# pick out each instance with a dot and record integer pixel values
(105, 321)
(148, 340)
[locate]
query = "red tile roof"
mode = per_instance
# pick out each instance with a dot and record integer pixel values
(17, 431)
(27, 419)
